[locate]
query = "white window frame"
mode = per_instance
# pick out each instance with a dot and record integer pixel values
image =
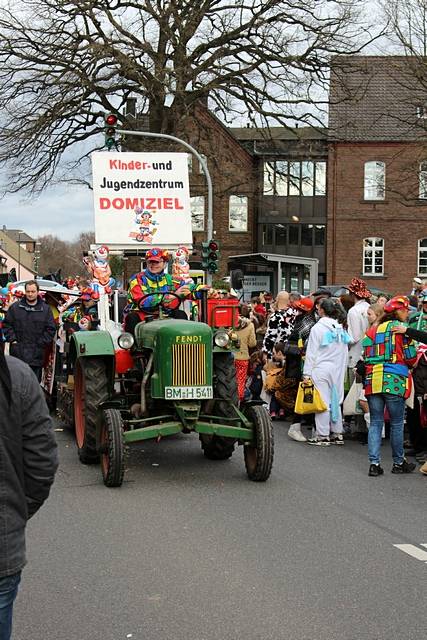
(190, 162)
(205, 159)
(421, 269)
(197, 206)
(422, 180)
(374, 180)
(241, 204)
(369, 256)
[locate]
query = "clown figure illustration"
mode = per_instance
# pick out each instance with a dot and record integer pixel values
(147, 226)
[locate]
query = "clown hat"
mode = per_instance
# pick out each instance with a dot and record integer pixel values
(396, 303)
(156, 254)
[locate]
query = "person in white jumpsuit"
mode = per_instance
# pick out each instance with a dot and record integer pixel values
(325, 364)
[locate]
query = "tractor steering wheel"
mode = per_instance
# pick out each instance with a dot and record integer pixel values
(161, 304)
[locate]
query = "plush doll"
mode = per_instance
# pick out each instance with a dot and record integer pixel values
(100, 270)
(85, 323)
(180, 266)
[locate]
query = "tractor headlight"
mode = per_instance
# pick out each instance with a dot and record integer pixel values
(125, 341)
(221, 339)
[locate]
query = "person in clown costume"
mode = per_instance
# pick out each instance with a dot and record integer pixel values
(388, 357)
(147, 288)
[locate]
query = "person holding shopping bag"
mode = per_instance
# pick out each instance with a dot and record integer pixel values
(325, 364)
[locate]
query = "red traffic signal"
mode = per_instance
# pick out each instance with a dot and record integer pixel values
(213, 246)
(111, 119)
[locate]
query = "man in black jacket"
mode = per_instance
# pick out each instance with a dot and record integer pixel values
(29, 327)
(28, 462)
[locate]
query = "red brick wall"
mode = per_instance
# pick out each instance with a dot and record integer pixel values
(401, 219)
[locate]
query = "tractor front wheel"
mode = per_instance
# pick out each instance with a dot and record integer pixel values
(112, 448)
(259, 455)
(225, 393)
(90, 389)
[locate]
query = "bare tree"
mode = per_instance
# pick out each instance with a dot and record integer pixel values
(58, 254)
(63, 64)
(407, 25)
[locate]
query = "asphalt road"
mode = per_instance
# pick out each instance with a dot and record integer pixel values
(189, 549)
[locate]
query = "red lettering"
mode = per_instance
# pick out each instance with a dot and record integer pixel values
(152, 204)
(133, 203)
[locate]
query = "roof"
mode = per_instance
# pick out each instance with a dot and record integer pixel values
(15, 251)
(18, 235)
(377, 98)
(273, 257)
(279, 133)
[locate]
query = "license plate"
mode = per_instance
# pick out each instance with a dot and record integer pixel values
(188, 393)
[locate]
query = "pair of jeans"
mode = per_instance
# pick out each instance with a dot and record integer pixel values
(8, 590)
(396, 409)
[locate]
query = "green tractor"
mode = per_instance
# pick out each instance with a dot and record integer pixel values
(172, 376)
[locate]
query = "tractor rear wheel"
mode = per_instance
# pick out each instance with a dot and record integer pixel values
(225, 390)
(112, 448)
(259, 455)
(90, 389)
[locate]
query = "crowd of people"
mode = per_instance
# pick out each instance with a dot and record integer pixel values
(364, 355)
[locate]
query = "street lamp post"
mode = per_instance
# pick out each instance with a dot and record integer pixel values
(19, 255)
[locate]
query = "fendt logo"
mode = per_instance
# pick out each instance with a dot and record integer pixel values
(188, 339)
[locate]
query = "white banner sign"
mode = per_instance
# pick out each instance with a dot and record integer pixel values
(141, 199)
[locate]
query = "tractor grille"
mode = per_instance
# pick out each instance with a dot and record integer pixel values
(188, 365)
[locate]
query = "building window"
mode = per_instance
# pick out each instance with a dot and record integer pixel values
(267, 234)
(373, 256)
(320, 178)
(319, 235)
(422, 111)
(422, 257)
(204, 158)
(283, 178)
(374, 180)
(422, 180)
(306, 235)
(197, 206)
(238, 213)
(295, 178)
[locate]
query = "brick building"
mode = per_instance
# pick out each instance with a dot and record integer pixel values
(377, 172)
(234, 186)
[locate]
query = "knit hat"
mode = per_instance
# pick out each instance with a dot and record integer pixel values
(358, 287)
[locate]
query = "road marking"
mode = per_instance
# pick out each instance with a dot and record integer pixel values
(413, 551)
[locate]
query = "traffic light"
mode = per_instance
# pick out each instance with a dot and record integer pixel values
(110, 131)
(205, 255)
(213, 256)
